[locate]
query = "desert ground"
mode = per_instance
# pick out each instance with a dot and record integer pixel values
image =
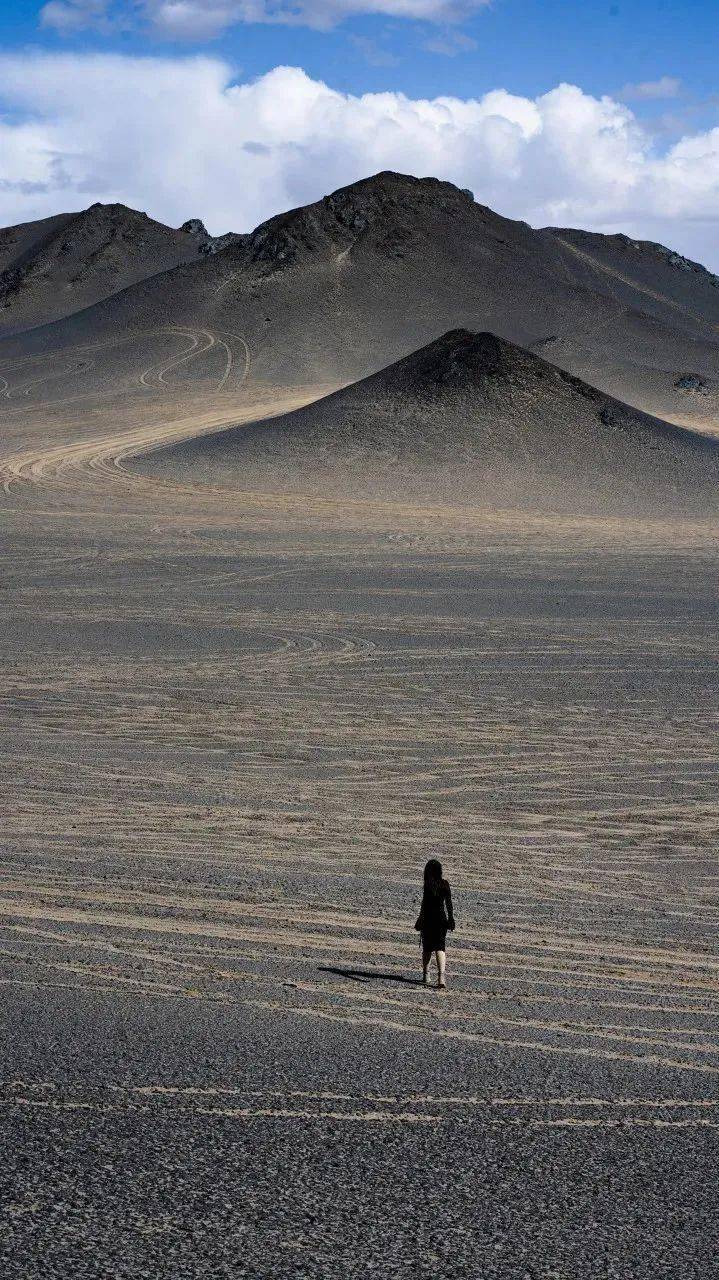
(234, 726)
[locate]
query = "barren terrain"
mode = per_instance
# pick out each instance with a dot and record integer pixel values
(235, 724)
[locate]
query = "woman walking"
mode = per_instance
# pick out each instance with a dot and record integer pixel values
(434, 919)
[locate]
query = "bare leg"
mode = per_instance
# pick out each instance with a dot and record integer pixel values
(426, 958)
(441, 961)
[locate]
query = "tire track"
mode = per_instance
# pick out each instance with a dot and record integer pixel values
(106, 453)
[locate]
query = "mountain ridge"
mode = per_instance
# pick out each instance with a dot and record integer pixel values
(60, 265)
(331, 291)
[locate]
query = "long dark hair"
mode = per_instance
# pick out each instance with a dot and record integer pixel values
(433, 876)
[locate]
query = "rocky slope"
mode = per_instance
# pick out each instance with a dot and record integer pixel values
(333, 291)
(51, 268)
(469, 418)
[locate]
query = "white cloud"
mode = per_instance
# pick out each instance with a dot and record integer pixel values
(449, 43)
(188, 20)
(652, 90)
(372, 52)
(178, 138)
(69, 16)
(206, 19)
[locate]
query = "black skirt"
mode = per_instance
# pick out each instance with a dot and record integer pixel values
(434, 937)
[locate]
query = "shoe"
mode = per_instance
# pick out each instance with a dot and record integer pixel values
(441, 986)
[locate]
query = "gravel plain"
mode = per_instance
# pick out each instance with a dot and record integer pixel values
(234, 726)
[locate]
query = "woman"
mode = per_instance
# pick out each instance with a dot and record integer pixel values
(434, 919)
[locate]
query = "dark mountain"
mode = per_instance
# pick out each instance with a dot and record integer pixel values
(51, 268)
(469, 418)
(332, 291)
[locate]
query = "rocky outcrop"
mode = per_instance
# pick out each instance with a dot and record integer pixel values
(685, 264)
(208, 245)
(195, 227)
(692, 382)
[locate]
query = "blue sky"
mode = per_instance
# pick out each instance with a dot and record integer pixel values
(653, 61)
(527, 46)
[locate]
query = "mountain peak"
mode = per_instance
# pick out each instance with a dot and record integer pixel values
(392, 209)
(461, 355)
(66, 263)
(390, 181)
(461, 359)
(113, 213)
(471, 418)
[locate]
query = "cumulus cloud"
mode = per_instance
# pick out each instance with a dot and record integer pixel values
(179, 138)
(652, 90)
(206, 19)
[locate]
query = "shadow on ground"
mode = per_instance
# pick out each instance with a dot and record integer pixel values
(369, 975)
